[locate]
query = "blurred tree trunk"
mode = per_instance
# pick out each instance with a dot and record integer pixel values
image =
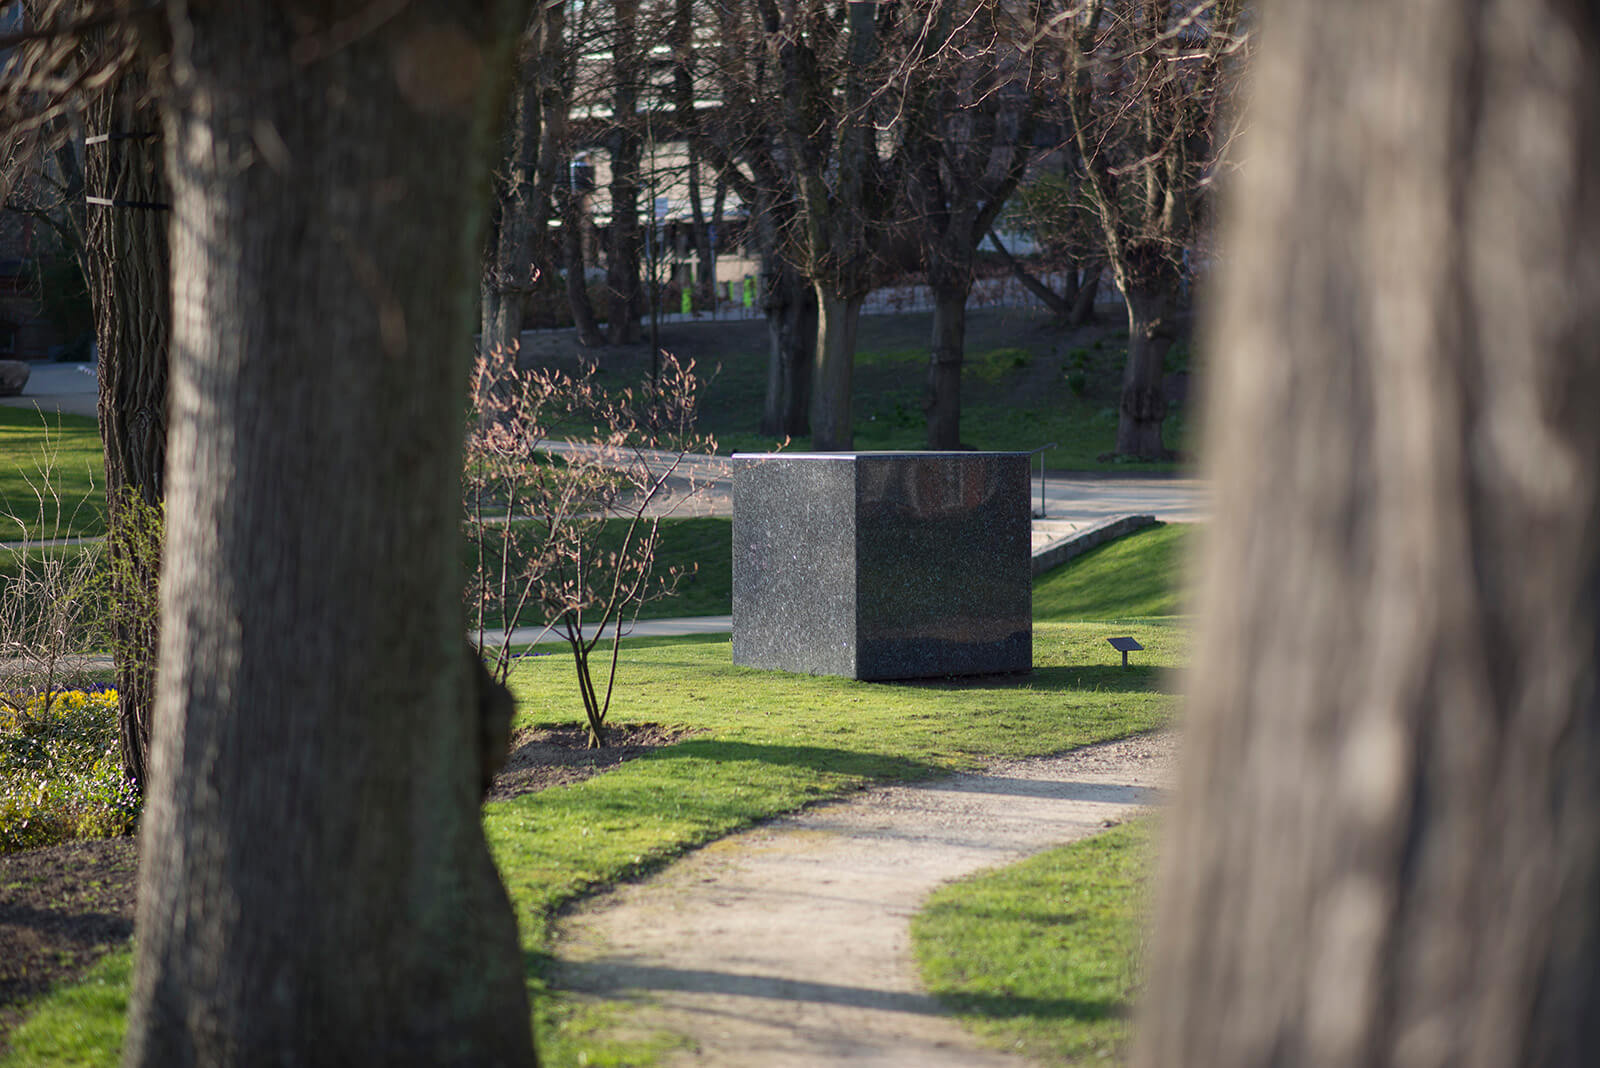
(314, 882)
(1386, 846)
(127, 265)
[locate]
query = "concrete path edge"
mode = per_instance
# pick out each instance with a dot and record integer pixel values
(1075, 545)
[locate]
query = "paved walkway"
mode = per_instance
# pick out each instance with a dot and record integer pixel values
(705, 483)
(58, 387)
(789, 945)
(644, 628)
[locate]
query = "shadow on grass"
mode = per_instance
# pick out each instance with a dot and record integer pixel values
(1106, 678)
(624, 980)
(812, 758)
(1134, 678)
(1010, 1007)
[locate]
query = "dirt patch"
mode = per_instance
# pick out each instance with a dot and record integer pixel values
(65, 907)
(61, 909)
(542, 757)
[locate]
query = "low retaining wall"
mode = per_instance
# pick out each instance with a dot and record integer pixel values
(1076, 545)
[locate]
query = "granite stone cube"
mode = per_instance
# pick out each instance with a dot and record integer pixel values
(882, 565)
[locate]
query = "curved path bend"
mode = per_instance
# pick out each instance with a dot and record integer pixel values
(789, 945)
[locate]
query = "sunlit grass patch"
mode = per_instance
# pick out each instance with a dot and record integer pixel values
(1134, 576)
(80, 1025)
(764, 743)
(1043, 958)
(51, 476)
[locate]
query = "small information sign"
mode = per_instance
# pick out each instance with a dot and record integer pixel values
(1125, 646)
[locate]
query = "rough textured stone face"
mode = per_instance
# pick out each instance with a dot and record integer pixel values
(884, 565)
(13, 376)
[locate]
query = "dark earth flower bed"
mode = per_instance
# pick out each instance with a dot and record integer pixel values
(65, 906)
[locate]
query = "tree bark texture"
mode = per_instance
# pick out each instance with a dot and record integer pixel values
(943, 402)
(830, 140)
(572, 265)
(509, 269)
(790, 304)
(966, 147)
(1143, 402)
(831, 388)
(1149, 142)
(1386, 849)
(624, 291)
(127, 265)
(1084, 293)
(315, 887)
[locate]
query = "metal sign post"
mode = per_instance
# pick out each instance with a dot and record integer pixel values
(1125, 646)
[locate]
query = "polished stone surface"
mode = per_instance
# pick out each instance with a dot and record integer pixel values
(882, 565)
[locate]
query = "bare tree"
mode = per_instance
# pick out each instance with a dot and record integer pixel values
(44, 80)
(826, 66)
(1145, 87)
(1051, 208)
(100, 63)
(681, 39)
(625, 144)
(127, 264)
(1386, 848)
(745, 145)
(519, 224)
(573, 265)
(314, 882)
(805, 76)
(968, 121)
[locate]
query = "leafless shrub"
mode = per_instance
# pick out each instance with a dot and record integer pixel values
(565, 485)
(48, 616)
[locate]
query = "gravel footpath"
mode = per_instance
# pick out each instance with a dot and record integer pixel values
(790, 944)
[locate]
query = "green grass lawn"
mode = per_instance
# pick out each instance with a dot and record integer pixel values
(1025, 382)
(1042, 958)
(763, 743)
(1136, 575)
(700, 548)
(52, 475)
(766, 743)
(1128, 578)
